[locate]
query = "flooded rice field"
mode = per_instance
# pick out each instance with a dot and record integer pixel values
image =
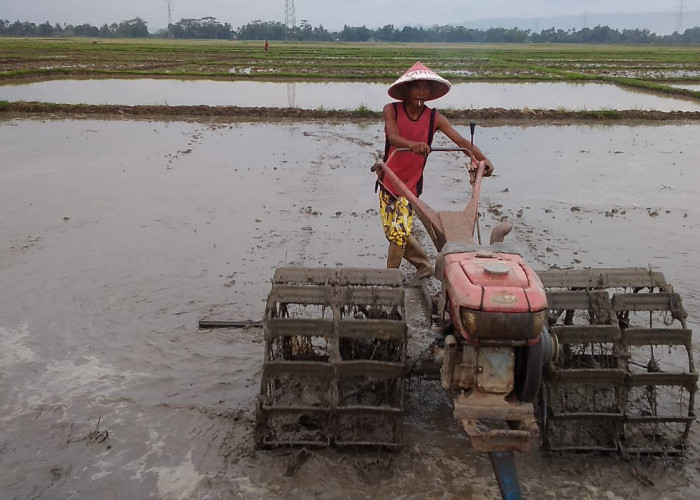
(336, 95)
(118, 236)
(688, 86)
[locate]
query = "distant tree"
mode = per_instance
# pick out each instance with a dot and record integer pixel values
(321, 34)
(106, 32)
(132, 28)
(86, 30)
(305, 32)
(204, 28)
(637, 36)
(691, 36)
(551, 35)
(410, 34)
(502, 35)
(605, 34)
(457, 34)
(210, 28)
(385, 33)
(45, 29)
(262, 30)
(21, 29)
(354, 34)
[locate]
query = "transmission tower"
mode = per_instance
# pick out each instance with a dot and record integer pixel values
(169, 5)
(290, 20)
(680, 18)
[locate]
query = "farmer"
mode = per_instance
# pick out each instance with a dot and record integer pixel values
(267, 46)
(411, 124)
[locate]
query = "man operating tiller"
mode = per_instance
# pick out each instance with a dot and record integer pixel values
(410, 124)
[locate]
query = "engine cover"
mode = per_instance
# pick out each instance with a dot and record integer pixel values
(492, 295)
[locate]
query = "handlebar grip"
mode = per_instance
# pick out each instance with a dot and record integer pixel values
(463, 150)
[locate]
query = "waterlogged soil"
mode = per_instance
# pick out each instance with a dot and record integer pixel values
(202, 113)
(118, 236)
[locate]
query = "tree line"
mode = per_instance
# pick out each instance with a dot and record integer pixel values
(210, 28)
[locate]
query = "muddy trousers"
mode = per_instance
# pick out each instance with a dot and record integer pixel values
(414, 253)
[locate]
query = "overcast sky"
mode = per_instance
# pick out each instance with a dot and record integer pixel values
(332, 14)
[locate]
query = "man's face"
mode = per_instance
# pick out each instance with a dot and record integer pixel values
(419, 91)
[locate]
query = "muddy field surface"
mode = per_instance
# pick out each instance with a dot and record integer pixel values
(117, 236)
(500, 116)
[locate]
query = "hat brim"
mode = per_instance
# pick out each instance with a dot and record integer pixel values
(438, 88)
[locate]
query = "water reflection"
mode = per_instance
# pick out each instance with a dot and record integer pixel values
(335, 95)
(291, 95)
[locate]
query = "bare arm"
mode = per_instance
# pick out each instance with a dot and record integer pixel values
(443, 125)
(391, 129)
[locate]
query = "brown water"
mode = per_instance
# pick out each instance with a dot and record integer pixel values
(336, 95)
(118, 236)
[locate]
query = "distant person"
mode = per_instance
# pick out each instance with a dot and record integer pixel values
(409, 123)
(267, 46)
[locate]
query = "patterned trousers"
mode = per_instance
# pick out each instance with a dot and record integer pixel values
(397, 218)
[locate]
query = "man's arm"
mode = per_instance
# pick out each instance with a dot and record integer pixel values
(443, 125)
(391, 128)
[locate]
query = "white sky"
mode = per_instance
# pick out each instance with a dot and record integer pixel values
(332, 14)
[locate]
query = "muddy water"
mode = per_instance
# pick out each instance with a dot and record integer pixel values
(335, 95)
(118, 236)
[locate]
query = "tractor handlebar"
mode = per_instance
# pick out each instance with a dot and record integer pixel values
(475, 165)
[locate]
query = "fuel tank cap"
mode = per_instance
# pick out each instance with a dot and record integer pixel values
(497, 268)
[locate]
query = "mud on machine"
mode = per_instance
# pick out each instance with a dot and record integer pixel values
(574, 356)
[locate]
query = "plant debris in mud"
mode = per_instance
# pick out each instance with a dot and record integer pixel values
(296, 461)
(95, 436)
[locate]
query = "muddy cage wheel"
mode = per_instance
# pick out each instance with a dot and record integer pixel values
(528, 371)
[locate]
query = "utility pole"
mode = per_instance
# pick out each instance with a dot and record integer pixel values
(290, 19)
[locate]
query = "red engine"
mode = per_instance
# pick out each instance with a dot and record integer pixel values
(494, 297)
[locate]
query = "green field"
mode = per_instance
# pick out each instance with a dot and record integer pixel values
(649, 68)
(34, 57)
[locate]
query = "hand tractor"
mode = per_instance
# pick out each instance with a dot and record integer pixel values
(580, 359)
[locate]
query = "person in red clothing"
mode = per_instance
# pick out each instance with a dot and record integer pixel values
(409, 123)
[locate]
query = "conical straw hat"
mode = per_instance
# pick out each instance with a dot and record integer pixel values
(438, 88)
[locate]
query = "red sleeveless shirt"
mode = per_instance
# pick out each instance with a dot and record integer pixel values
(407, 165)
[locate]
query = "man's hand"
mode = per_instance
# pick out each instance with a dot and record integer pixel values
(420, 148)
(488, 167)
